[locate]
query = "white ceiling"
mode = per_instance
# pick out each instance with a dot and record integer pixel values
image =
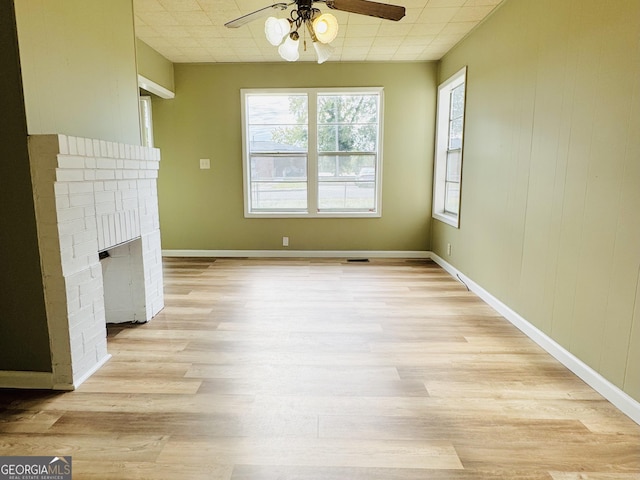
(187, 31)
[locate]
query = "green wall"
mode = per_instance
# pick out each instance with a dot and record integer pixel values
(550, 220)
(24, 338)
(154, 66)
(79, 68)
(66, 66)
(203, 209)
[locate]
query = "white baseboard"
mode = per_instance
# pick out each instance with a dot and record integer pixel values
(604, 387)
(297, 253)
(79, 381)
(31, 380)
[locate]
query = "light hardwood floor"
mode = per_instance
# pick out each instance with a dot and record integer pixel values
(324, 370)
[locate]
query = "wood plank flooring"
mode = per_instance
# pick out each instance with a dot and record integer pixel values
(263, 369)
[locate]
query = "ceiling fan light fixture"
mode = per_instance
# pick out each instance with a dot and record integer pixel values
(276, 29)
(323, 51)
(289, 48)
(325, 27)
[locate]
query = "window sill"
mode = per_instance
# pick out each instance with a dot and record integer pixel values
(453, 220)
(314, 215)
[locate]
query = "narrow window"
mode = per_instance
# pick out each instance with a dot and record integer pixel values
(449, 145)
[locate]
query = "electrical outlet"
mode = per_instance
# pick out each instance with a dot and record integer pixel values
(205, 164)
(285, 241)
(448, 249)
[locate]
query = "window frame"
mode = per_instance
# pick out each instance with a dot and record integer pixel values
(313, 155)
(442, 138)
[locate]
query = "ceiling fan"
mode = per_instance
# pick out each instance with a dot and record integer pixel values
(322, 27)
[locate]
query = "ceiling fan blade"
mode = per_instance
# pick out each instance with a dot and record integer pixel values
(365, 7)
(250, 17)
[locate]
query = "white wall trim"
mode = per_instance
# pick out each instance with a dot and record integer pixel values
(604, 387)
(80, 381)
(16, 379)
(155, 88)
(297, 253)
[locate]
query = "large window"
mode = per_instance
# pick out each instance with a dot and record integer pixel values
(448, 154)
(312, 152)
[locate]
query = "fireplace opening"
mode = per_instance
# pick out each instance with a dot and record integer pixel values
(123, 283)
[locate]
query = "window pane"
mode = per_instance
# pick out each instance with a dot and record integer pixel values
(281, 196)
(347, 109)
(277, 123)
(278, 168)
(455, 133)
(347, 138)
(350, 167)
(452, 198)
(277, 109)
(278, 138)
(347, 182)
(453, 166)
(351, 195)
(457, 102)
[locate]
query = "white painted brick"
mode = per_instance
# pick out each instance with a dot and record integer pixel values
(73, 305)
(62, 201)
(119, 174)
(81, 146)
(73, 145)
(96, 147)
(98, 186)
(110, 150)
(63, 144)
(121, 150)
(70, 161)
(89, 162)
(90, 211)
(132, 164)
(130, 174)
(89, 175)
(90, 224)
(110, 185)
(81, 187)
(68, 175)
(103, 149)
(60, 188)
(105, 208)
(112, 230)
(106, 196)
(65, 241)
(71, 227)
(105, 174)
(83, 236)
(86, 248)
(88, 147)
(106, 163)
(74, 264)
(81, 199)
(66, 214)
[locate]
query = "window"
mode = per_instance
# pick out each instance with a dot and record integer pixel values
(448, 154)
(312, 152)
(146, 122)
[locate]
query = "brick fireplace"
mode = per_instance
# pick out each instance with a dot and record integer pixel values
(94, 196)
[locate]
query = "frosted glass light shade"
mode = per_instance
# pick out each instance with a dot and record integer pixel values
(276, 29)
(289, 49)
(325, 27)
(323, 51)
